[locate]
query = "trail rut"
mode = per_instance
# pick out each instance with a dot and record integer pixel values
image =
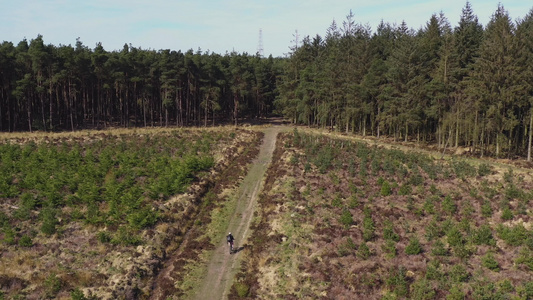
(223, 266)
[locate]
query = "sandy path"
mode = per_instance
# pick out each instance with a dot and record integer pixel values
(223, 266)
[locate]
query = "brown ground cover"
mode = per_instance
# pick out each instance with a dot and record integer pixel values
(340, 219)
(75, 259)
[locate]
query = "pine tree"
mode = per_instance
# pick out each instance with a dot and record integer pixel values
(468, 37)
(524, 37)
(494, 79)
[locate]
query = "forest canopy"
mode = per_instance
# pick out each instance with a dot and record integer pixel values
(465, 86)
(470, 86)
(47, 87)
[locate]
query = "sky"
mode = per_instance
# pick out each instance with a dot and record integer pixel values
(215, 25)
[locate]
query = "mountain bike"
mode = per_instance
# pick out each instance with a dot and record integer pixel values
(230, 247)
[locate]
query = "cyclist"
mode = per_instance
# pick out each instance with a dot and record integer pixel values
(230, 240)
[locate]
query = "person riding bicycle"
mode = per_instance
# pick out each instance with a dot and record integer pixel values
(230, 240)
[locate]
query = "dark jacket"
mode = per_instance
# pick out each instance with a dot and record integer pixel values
(229, 238)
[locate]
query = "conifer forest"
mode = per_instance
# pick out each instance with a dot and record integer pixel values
(455, 85)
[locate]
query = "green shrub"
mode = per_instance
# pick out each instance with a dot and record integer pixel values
(22, 213)
(463, 251)
(484, 169)
(447, 224)
(385, 189)
(363, 168)
(483, 236)
(364, 252)
(347, 247)
(4, 219)
(77, 294)
(429, 206)
(486, 209)
(402, 170)
(485, 290)
(448, 205)
(458, 273)
(354, 202)
(463, 169)
(93, 214)
(376, 165)
(388, 232)
(456, 293)
(389, 166)
(368, 225)
(104, 237)
(433, 189)
(527, 292)
(9, 235)
(507, 214)
(324, 159)
(433, 271)
(506, 286)
(529, 241)
(413, 247)
(410, 203)
(389, 247)
(25, 241)
(422, 290)
(49, 221)
(439, 249)
(405, 189)
(397, 282)
(416, 179)
(142, 218)
(52, 285)
(337, 201)
(468, 210)
(433, 231)
(28, 201)
(126, 237)
(346, 218)
(508, 176)
(295, 159)
(455, 237)
(489, 262)
(242, 289)
(522, 207)
(525, 258)
(465, 225)
(513, 236)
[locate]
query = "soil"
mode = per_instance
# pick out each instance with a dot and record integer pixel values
(223, 265)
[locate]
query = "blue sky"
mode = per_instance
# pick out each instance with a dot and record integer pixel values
(216, 25)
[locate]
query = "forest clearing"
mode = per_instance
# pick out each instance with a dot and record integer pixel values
(96, 214)
(336, 217)
(341, 218)
(393, 163)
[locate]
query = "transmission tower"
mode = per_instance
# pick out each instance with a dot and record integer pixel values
(295, 41)
(260, 45)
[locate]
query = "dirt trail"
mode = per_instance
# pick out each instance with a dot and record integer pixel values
(223, 266)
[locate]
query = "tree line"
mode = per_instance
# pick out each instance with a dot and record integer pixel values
(468, 86)
(47, 87)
